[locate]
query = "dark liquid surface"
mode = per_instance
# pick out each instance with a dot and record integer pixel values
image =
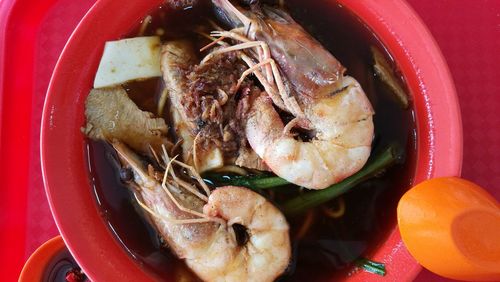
(330, 245)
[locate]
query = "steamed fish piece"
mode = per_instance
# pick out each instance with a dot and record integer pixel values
(129, 59)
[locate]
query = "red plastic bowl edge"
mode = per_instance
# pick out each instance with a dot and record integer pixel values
(410, 43)
(85, 232)
(439, 124)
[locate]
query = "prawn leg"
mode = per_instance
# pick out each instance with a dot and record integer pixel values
(290, 104)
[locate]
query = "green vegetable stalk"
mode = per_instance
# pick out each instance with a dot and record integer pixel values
(252, 182)
(312, 199)
(371, 266)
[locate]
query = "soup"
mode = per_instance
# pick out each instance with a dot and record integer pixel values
(325, 240)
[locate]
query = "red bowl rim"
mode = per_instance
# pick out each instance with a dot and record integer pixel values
(439, 124)
(80, 223)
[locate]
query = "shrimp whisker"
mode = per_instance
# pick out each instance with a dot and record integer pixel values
(158, 161)
(170, 220)
(179, 206)
(266, 83)
(250, 71)
(290, 102)
(165, 157)
(215, 41)
(179, 181)
(176, 146)
(231, 34)
(270, 89)
(264, 52)
(194, 174)
(271, 69)
(241, 46)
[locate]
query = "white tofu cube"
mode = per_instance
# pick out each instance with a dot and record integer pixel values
(129, 59)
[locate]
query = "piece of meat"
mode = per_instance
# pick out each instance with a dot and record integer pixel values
(207, 80)
(206, 111)
(177, 60)
(112, 115)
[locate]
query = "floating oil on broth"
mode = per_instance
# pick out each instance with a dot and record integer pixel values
(330, 245)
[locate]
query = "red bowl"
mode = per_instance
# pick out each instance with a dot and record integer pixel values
(439, 145)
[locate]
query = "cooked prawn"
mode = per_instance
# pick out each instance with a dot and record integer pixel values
(267, 251)
(340, 148)
(202, 231)
(312, 86)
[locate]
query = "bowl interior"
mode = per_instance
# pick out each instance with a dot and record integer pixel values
(64, 168)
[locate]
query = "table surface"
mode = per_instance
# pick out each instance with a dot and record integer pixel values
(467, 31)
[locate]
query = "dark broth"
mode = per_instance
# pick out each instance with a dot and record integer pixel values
(331, 245)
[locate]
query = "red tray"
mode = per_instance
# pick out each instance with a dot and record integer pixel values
(33, 33)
